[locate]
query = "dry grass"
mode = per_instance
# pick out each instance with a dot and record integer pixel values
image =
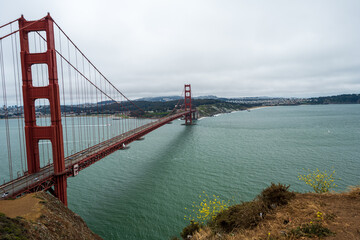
(28, 207)
(45, 217)
(341, 214)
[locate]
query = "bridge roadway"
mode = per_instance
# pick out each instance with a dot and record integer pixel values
(45, 178)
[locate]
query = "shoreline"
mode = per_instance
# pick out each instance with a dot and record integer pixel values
(258, 107)
(218, 113)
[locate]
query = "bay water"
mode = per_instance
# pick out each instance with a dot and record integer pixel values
(142, 192)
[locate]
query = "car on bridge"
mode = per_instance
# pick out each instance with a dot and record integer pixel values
(5, 194)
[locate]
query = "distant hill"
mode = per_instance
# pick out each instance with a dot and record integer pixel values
(174, 98)
(339, 99)
(207, 97)
(160, 99)
(210, 104)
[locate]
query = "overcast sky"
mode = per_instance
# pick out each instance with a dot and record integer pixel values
(228, 48)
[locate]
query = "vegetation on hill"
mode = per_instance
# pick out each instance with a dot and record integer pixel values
(277, 213)
(242, 216)
(206, 107)
(12, 228)
(285, 215)
(339, 99)
(160, 108)
(206, 110)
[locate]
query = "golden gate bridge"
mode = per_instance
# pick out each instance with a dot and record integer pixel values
(58, 110)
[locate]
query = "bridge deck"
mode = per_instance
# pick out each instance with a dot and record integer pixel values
(44, 179)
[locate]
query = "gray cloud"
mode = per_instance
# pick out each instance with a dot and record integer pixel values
(227, 48)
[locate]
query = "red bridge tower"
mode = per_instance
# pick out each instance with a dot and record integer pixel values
(34, 133)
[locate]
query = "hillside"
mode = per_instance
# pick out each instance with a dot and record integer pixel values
(161, 106)
(305, 216)
(208, 110)
(41, 216)
(339, 99)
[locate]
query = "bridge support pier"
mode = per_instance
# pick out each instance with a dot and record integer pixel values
(34, 133)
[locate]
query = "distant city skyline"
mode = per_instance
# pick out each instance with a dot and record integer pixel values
(225, 48)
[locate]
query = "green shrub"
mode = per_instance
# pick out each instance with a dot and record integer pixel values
(315, 229)
(245, 215)
(11, 228)
(276, 195)
(249, 214)
(190, 230)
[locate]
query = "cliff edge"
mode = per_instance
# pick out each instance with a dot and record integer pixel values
(305, 216)
(41, 216)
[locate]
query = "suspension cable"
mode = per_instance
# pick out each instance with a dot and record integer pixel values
(97, 68)
(21, 28)
(9, 23)
(78, 71)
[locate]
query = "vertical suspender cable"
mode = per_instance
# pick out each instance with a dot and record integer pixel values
(47, 116)
(81, 105)
(82, 83)
(78, 101)
(45, 80)
(39, 101)
(90, 100)
(85, 107)
(64, 99)
(118, 115)
(102, 115)
(107, 116)
(71, 103)
(8, 144)
(13, 38)
(88, 138)
(97, 109)
(128, 118)
(122, 116)
(19, 83)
